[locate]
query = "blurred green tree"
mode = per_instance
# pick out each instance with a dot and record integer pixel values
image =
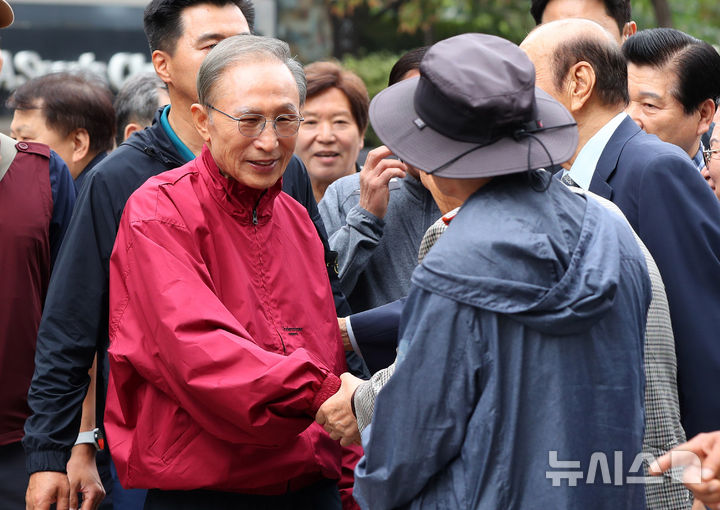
(384, 29)
(432, 20)
(700, 18)
(374, 69)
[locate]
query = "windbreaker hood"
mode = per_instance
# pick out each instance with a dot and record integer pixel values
(550, 260)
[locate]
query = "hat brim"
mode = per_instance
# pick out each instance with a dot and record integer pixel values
(6, 14)
(393, 117)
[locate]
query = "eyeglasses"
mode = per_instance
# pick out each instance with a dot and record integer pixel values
(709, 154)
(253, 124)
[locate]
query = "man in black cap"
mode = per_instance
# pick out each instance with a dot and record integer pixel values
(522, 336)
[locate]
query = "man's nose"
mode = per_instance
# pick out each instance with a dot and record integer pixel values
(268, 139)
(633, 110)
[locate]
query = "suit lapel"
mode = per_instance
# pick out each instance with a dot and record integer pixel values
(607, 164)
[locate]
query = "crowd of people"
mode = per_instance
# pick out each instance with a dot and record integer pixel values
(210, 303)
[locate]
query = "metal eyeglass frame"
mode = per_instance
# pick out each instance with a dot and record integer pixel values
(296, 118)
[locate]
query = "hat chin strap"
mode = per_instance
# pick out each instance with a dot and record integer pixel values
(528, 132)
(459, 156)
(537, 184)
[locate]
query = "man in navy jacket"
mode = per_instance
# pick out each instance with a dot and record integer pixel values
(674, 84)
(656, 186)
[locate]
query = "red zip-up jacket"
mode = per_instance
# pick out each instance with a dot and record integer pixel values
(223, 338)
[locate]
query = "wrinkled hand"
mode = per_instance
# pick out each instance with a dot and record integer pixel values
(83, 477)
(374, 179)
(700, 458)
(46, 488)
(336, 416)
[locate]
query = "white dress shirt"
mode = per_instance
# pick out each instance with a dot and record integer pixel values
(583, 168)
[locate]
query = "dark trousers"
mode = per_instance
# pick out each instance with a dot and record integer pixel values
(321, 496)
(124, 499)
(102, 461)
(13, 477)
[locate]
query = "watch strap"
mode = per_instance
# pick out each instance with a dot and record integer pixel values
(93, 437)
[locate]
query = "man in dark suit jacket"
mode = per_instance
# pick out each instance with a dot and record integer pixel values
(674, 86)
(655, 184)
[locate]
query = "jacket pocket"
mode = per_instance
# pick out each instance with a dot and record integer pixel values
(180, 443)
(179, 434)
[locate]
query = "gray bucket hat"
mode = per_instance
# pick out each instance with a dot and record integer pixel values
(6, 14)
(474, 111)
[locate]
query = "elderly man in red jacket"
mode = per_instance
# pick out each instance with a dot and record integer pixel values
(223, 336)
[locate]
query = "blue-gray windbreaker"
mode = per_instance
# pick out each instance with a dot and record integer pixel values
(522, 336)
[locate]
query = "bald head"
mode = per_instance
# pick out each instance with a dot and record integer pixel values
(564, 30)
(559, 47)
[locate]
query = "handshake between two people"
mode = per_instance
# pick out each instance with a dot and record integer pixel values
(336, 414)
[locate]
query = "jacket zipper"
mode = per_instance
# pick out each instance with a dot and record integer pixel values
(282, 342)
(254, 211)
(149, 151)
(255, 222)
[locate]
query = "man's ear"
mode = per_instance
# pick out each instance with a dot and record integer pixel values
(201, 120)
(130, 128)
(707, 112)
(80, 144)
(629, 29)
(580, 85)
(161, 62)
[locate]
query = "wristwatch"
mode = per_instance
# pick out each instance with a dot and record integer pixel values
(94, 437)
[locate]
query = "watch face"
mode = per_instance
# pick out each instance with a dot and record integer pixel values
(99, 439)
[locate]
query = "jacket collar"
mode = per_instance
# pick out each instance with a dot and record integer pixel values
(154, 142)
(607, 164)
(247, 204)
(182, 149)
(93, 162)
(415, 188)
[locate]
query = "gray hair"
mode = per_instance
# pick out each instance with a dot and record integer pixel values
(246, 48)
(137, 101)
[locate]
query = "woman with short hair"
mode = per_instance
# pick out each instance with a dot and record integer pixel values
(336, 117)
